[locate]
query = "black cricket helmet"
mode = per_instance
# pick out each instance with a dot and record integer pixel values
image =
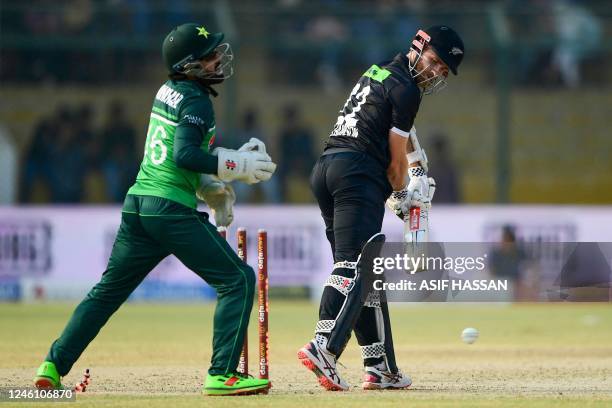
(447, 44)
(188, 43)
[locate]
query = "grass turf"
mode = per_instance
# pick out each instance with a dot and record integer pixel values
(150, 355)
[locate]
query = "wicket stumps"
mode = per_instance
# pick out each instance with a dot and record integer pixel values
(262, 296)
(262, 299)
(243, 363)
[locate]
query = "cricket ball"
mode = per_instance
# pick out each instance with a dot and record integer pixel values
(469, 335)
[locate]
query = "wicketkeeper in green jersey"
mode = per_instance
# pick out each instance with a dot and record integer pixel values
(159, 214)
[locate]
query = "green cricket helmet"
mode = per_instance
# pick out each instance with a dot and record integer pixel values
(188, 43)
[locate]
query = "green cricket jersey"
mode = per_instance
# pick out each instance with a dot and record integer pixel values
(182, 106)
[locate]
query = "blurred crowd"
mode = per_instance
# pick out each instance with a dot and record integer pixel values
(308, 44)
(295, 148)
(341, 37)
(93, 41)
(553, 41)
(70, 161)
(571, 38)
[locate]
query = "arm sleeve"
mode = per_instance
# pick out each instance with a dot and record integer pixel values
(187, 151)
(405, 103)
(196, 116)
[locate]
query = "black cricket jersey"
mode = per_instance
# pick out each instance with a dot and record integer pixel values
(385, 98)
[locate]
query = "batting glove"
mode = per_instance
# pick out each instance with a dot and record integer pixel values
(418, 193)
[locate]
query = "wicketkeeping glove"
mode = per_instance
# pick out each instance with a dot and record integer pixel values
(253, 144)
(220, 197)
(248, 166)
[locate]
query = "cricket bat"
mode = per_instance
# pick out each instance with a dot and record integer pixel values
(416, 229)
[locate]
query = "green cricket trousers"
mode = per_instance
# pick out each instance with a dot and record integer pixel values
(151, 229)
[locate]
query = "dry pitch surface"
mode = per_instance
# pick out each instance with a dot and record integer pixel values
(156, 356)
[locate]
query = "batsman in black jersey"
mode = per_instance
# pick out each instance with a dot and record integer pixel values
(371, 148)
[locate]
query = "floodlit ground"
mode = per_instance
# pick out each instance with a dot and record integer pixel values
(156, 356)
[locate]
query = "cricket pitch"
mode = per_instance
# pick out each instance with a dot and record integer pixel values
(153, 355)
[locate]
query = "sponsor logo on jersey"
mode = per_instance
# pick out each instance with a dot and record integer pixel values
(169, 96)
(194, 120)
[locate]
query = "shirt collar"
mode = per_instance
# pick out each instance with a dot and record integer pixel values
(402, 60)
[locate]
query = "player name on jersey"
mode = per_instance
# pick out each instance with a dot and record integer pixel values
(169, 96)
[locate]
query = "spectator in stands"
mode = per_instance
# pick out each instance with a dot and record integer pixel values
(91, 145)
(83, 122)
(268, 192)
(444, 171)
(578, 35)
(119, 157)
(34, 185)
(329, 34)
(66, 162)
(561, 33)
(297, 156)
(383, 28)
(531, 22)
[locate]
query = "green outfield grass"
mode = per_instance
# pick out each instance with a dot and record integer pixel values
(156, 355)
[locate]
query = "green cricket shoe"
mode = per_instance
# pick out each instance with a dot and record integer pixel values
(234, 384)
(47, 377)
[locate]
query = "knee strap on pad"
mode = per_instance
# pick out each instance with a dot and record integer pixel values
(342, 284)
(349, 311)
